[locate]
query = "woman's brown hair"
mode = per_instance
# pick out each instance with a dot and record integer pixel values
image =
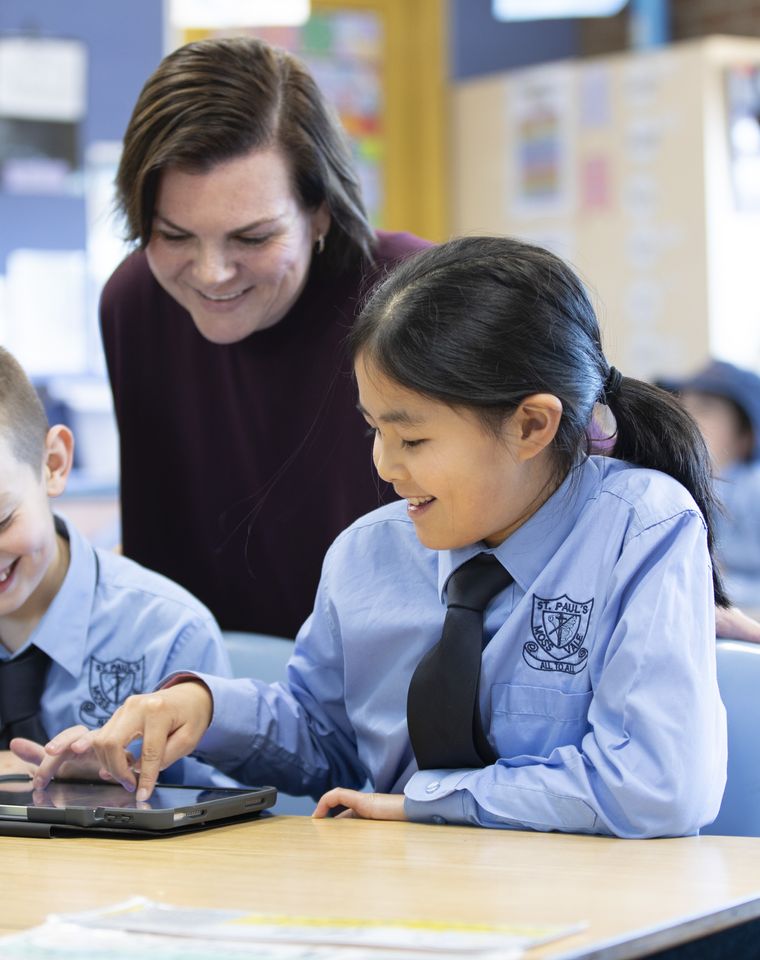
(215, 100)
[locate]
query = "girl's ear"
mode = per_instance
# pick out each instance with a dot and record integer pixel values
(534, 424)
(59, 459)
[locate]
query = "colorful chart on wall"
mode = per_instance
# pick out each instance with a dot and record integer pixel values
(541, 134)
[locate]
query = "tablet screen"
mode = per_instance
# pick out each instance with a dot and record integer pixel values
(60, 793)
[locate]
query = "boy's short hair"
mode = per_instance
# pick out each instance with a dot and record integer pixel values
(22, 417)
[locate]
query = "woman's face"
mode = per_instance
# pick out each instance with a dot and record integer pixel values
(232, 245)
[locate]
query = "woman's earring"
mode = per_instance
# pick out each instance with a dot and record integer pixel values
(320, 243)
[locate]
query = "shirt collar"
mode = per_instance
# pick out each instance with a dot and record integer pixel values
(62, 631)
(527, 551)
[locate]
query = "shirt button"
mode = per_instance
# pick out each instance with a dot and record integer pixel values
(432, 787)
(439, 819)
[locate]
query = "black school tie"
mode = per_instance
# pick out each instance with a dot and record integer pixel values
(443, 714)
(22, 682)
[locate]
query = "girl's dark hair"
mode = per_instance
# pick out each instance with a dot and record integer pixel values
(215, 100)
(483, 322)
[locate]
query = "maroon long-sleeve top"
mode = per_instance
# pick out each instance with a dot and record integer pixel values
(240, 463)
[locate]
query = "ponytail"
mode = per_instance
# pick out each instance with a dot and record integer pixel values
(654, 431)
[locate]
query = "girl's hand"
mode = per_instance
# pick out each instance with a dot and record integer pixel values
(368, 806)
(169, 722)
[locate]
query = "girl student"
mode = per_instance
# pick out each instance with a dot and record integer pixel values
(479, 365)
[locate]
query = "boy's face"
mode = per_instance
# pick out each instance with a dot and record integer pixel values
(719, 423)
(28, 543)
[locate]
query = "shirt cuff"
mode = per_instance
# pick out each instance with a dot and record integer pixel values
(432, 796)
(184, 676)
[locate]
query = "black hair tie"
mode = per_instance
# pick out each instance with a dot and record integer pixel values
(611, 387)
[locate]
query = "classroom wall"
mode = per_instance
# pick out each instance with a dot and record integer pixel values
(689, 19)
(124, 44)
(479, 44)
(622, 164)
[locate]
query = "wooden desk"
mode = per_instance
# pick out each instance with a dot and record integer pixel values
(639, 894)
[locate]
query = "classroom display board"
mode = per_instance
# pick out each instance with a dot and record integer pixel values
(642, 170)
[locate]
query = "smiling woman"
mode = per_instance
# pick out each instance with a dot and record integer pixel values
(241, 454)
(233, 246)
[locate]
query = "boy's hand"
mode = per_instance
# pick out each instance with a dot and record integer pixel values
(12, 763)
(169, 722)
(368, 806)
(29, 755)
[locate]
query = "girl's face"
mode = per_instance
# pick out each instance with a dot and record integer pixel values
(461, 483)
(233, 245)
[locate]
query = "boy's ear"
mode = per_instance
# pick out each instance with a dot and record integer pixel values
(535, 423)
(59, 459)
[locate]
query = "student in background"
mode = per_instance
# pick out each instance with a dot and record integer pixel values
(80, 629)
(725, 402)
(479, 365)
(224, 332)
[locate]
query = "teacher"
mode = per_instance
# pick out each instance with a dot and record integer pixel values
(242, 454)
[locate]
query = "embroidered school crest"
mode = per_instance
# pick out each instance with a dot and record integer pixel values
(111, 682)
(559, 626)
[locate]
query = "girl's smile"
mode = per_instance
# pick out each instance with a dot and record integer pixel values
(417, 505)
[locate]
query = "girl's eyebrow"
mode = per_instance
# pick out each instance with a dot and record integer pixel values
(253, 225)
(393, 416)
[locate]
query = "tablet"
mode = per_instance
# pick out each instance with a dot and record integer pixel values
(108, 807)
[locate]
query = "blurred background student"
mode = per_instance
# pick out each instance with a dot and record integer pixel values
(725, 401)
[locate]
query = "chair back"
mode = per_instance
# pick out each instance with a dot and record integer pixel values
(265, 658)
(739, 682)
(258, 655)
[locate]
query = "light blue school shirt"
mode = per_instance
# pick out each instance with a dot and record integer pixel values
(737, 533)
(598, 689)
(114, 629)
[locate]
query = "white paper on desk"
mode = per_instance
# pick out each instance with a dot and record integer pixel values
(68, 941)
(142, 916)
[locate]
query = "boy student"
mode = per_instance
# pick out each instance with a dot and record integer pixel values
(725, 401)
(80, 629)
